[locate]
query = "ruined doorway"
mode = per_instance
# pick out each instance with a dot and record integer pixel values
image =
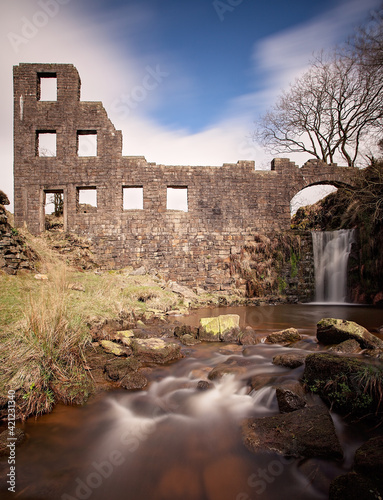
(54, 210)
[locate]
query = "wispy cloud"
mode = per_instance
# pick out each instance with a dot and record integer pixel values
(283, 56)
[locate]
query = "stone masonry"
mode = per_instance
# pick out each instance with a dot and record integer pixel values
(226, 205)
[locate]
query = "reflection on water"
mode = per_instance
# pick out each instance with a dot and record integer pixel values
(174, 441)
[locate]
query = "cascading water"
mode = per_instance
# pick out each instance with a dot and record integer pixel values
(331, 252)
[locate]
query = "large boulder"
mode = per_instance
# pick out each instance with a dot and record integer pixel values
(155, 350)
(220, 328)
(335, 331)
(351, 385)
(307, 433)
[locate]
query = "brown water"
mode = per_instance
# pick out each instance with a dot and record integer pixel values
(173, 442)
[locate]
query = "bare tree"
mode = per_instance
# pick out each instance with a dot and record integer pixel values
(328, 111)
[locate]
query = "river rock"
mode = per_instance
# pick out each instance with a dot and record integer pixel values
(369, 460)
(181, 330)
(353, 486)
(189, 340)
(134, 381)
(219, 328)
(204, 385)
(288, 401)
(290, 359)
(284, 336)
(117, 368)
(114, 348)
(335, 331)
(249, 337)
(155, 350)
(307, 433)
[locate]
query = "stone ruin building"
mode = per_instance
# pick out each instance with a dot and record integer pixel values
(223, 207)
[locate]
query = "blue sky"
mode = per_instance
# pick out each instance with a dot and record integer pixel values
(217, 66)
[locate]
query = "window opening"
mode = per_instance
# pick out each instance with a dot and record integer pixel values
(46, 143)
(47, 87)
(133, 198)
(177, 198)
(87, 200)
(87, 143)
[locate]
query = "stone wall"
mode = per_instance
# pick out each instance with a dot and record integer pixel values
(15, 255)
(226, 204)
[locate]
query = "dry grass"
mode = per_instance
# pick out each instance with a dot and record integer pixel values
(41, 354)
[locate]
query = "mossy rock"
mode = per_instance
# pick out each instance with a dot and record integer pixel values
(351, 385)
(221, 328)
(335, 331)
(113, 348)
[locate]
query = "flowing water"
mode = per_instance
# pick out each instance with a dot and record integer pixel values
(173, 441)
(331, 252)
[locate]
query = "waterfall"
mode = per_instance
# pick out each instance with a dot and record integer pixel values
(331, 251)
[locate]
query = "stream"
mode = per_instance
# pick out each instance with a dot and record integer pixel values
(173, 441)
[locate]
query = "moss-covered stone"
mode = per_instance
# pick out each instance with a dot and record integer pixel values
(335, 331)
(221, 328)
(209, 329)
(113, 348)
(125, 336)
(351, 385)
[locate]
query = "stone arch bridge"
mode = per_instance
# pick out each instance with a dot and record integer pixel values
(131, 220)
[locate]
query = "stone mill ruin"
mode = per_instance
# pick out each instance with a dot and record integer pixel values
(223, 206)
